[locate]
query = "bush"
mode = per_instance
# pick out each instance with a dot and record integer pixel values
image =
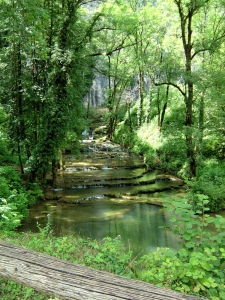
(107, 255)
(209, 182)
(199, 266)
(172, 153)
(14, 198)
(12, 210)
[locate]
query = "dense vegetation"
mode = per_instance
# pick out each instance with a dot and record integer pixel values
(164, 63)
(197, 268)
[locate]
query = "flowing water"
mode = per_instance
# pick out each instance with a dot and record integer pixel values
(107, 192)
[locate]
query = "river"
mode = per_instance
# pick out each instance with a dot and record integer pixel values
(107, 191)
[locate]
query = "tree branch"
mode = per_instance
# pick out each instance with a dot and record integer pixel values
(170, 83)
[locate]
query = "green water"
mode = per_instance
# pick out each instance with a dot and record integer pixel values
(104, 193)
(94, 186)
(139, 225)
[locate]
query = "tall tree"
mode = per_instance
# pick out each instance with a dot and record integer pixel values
(190, 13)
(111, 41)
(44, 53)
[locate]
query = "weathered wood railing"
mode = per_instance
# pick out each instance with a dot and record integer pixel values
(66, 280)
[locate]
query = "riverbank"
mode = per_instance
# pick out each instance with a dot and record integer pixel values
(181, 270)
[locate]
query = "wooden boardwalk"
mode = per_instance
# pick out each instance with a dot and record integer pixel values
(70, 281)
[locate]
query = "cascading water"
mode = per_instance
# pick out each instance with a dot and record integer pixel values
(107, 192)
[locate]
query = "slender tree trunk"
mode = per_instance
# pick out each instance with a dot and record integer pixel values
(189, 138)
(186, 35)
(189, 106)
(164, 108)
(158, 106)
(36, 104)
(148, 111)
(200, 126)
(20, 159)
(18, 100)
(141, 96)
(118, 100)
(202, 102)
(113, 102)
(129, 116)
(109, 129)
(161, 112)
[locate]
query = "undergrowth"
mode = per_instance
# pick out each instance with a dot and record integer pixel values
(106, 255)
(197, 268)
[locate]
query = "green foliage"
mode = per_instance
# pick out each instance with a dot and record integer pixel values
(164, 149)
(4, 191)
(33, 193)
(209, 182)
(198, 266)
(9, 216)
(46, 230)
(44, 77)
(11, 290)
(14, 198)
(123, 136)
(107, 255)
(12, 177)
(5, 156)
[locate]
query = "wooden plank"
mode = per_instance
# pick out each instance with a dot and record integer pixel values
(66, 280)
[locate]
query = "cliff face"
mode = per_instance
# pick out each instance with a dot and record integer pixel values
(96, 95)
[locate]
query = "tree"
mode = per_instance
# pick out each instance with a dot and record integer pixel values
(44, 45)
(111, 39)
(190, 13)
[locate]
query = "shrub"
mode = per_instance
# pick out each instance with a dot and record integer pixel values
(107, 255)
(209, 182)
(14, 198)
(198, 267)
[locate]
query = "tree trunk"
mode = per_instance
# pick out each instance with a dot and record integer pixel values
(129, 115)
(189, 139)
(109, 127)
(20, 159)
(141, 96)
(189, 109)
(158, 106)
(186, 35)
(17, 96)
(164, 107)
(201, 116)
(148, 110)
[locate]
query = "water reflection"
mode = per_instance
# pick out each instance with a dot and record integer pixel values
(138, 224)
